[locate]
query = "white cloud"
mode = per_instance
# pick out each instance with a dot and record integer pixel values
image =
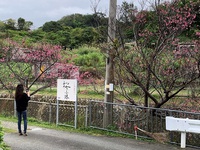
(56, 13)
(41, 11)
(5, 11)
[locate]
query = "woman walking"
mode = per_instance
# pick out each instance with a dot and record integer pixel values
(22, 99)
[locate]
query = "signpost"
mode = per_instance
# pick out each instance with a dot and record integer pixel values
(66, 91)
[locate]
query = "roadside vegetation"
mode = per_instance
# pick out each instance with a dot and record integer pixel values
(89, 131)
(2, 144)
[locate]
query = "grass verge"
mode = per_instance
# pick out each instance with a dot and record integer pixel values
(89, 131)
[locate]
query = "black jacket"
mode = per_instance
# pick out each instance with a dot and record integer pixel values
(22, 102)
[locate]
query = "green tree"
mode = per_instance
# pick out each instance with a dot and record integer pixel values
(21, 23)
(37, 35)
(74, 21)
(2, 26)
(64, 37)
(28, 25)
(126, 17)
(10, 24)
(52, 26)
(89, 35)
(89, 59)
(76, 37)
(81, 21)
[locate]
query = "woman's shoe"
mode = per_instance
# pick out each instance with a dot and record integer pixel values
(25, 134)
(20, 134)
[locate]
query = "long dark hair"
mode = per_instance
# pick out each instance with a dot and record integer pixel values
(19, 91)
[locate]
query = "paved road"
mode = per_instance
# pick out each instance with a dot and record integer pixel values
(48, 139)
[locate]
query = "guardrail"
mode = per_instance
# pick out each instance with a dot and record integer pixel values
(182, 125)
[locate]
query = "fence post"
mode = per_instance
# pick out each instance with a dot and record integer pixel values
(57, 113)
(86, 116)
(90, 115)
(183, 139)
(50, 112)
(170, 133)
(15, 109)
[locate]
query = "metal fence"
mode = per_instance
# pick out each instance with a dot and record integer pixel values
(91, 114)
(150, 120)
(46, 111)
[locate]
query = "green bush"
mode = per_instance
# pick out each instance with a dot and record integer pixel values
(2, 144)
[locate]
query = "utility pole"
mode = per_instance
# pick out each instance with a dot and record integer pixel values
(109, 79)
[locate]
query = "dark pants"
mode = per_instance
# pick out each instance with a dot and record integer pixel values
(20, 115)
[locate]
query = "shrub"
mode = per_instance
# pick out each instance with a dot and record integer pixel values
(2, 144)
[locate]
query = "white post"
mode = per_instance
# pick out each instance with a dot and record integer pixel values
(57, 113)
(76, 111)
(86, 116)
(76, 104)
(15, 109)
(183, 139)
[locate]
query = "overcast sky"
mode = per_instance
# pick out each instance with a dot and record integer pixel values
(41, 11)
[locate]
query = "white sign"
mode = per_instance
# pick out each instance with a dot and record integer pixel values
(111, 87)
(67, 89)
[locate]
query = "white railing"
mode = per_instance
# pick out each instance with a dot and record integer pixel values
(183, 125)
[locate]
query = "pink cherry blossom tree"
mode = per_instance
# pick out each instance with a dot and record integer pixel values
(158, 63)
(39, 64)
